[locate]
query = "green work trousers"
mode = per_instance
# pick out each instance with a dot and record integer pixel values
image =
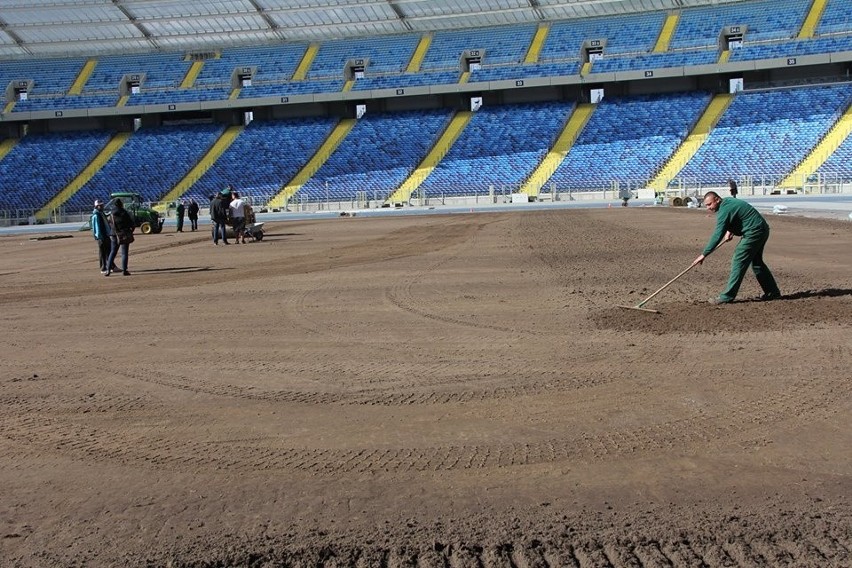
(749, 251)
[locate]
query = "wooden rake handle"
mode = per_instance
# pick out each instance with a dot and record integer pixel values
(667, 284)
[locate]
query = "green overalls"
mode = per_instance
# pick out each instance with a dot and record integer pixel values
(743, 220)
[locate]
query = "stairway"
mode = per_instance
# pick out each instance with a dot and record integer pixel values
(821, 152)
(109, 150)
(82, 77)
(573, 127)
(537, 43)
(306, 62)
(454, 129)
(192, 74)
(217, 149)
(667, 32)
(419, 54)
(340, 132)
(6, 146)
(811, 22)
(714, 111)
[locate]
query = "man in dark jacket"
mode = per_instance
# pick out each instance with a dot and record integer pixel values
(736, 217)
(122, 228)
(179, 212)
(219, 216)
(192, 213)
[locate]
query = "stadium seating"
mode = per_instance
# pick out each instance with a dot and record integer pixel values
(396, 81)
(379, 153)
(385, 55)
(764, 20)
(771, 26)
(151, 162)
(49, 76)
(839, 164)
(41, 165)
(655, 61)
(837, 18)
(39, 102)
(628, 139)
(507, 44)
(501, 146)
(273, 63)
(792, 48)
(623, 34)
(265, 157)
(161, 70)
(506, 72)
(767, 133)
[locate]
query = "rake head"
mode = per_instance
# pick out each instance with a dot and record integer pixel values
(641, 309)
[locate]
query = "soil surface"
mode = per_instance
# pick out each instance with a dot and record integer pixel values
(428, 391)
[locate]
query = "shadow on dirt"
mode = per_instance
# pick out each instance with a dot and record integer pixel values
(179, 270)
(826, 293)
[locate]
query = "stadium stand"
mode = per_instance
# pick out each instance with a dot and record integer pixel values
(274, 64)
(627, 139)
(623, 34)
(53, 102)
(837, 18)
(504, 72)
(41, 165)
(839, 164)
(655, 61)
(50, 76)
(768, 132)
(138, 165)
(161, 70)
(499, 45)
(501, 146)
(383, 55)
(395, 81)
(377, 156)
(792, 48)
(255, 164)
(764, 20)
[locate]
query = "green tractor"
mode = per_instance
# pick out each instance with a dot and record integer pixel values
(148, 220)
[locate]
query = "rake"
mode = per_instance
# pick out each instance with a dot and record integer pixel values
(664, 286)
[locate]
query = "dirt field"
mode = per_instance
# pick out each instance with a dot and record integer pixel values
(435, 391)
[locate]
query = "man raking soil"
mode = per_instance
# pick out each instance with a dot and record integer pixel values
(735, 217)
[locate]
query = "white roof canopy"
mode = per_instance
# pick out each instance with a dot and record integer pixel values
(48, 28)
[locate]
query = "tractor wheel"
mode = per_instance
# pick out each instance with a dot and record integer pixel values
(145, 228)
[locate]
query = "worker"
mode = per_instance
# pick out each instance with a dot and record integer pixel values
(735, 217)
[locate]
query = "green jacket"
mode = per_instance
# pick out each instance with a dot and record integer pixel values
(738, 217)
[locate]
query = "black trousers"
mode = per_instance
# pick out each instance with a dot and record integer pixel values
(104, 246)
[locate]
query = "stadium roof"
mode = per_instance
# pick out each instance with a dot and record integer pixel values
(50, 28)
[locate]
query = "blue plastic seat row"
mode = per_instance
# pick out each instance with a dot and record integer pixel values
(768, 133)
(628, 139)
(151, 162)
(373, 158)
